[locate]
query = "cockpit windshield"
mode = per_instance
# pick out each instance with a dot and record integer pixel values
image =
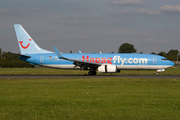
(164, 59)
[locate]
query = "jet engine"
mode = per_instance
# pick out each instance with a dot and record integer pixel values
(107, 68)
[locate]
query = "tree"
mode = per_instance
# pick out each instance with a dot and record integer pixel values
(153, 53)
(12, 61)
(1, 52)
(173, 55)
(163, 54)
(127, 48)
(173, 52)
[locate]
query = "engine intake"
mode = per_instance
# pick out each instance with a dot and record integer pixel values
(108, 69)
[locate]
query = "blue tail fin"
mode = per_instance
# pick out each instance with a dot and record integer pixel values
(26, 43)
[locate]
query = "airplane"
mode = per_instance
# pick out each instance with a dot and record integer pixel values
(101, 62)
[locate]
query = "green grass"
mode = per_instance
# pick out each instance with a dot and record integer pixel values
(87, 98)
(49, 71)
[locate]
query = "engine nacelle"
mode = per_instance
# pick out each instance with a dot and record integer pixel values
(108, 69)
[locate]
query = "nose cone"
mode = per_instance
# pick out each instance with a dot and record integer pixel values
(171, 63)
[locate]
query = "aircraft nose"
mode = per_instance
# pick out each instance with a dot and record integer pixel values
(171, 63)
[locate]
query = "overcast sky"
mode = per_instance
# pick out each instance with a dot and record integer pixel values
(93, 25)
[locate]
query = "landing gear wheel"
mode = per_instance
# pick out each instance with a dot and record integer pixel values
(157, 74)
(92, 72)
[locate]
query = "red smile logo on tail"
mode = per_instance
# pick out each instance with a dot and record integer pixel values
(24, 47)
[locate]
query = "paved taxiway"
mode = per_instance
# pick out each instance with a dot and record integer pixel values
(86, 76)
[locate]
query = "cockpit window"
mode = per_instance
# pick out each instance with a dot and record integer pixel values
(164, 59)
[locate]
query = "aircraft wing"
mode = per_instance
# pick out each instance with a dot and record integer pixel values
(79, 63)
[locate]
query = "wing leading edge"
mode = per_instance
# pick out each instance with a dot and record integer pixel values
(79, 63)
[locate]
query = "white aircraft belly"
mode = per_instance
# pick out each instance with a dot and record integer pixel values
(141, 67)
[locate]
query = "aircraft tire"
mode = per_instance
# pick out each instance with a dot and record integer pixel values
(92, 73)
(157, 74)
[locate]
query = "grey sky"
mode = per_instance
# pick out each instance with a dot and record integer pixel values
(93, 26)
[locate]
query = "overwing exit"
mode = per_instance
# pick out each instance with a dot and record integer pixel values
(101, 62)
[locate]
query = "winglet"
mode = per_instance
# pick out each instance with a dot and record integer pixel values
(80, 51)
(58, 53)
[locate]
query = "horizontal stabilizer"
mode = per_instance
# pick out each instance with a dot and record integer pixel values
(27, 56)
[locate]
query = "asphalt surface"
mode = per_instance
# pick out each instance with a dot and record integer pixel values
(86, 76)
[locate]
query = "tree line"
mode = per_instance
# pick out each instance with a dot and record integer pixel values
(10, 60)
(172, 55)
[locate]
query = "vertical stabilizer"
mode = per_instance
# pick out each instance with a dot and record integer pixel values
(26, 43)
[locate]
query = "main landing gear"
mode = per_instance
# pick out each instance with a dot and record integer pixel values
(92, 72)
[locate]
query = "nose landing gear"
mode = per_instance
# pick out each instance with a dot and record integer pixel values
(157, 73)
(161, 70)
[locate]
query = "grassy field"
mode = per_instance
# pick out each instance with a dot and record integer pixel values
(86, 99)
(49, 71)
